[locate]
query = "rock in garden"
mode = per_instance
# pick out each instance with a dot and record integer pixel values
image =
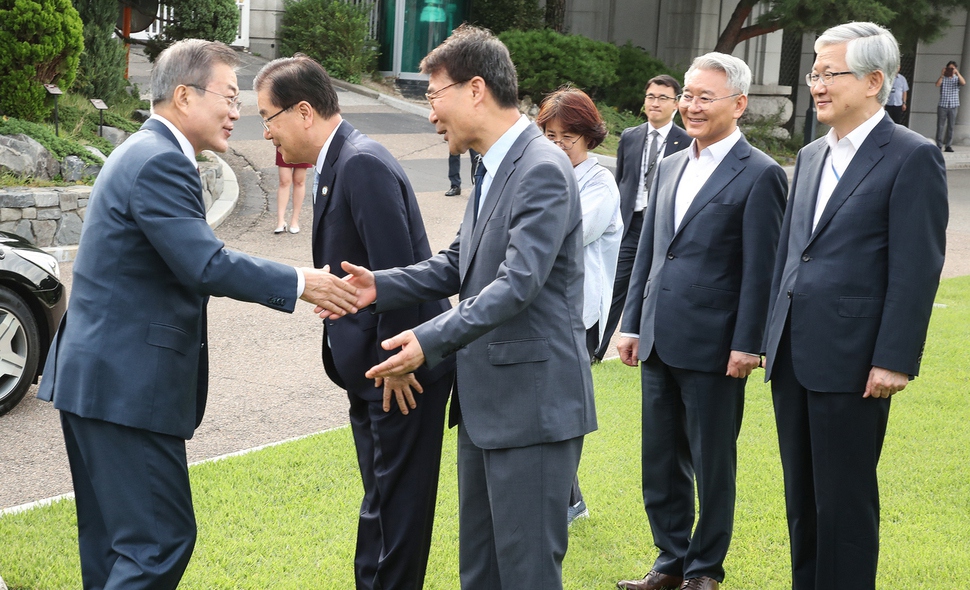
(23, 156)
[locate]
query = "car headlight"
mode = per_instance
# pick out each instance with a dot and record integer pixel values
(43, 260)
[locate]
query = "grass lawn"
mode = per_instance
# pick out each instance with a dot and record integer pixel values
(284, 517)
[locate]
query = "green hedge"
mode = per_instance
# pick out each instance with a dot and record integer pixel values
(40, 43)
(636, 66)
(545, 60)
(332, 32)
(213, 20)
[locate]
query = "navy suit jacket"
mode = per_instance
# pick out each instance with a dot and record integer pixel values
(701, 291)
(523, 368)
(629, 160)
(131, 349)
(860, 287)
(365, 212)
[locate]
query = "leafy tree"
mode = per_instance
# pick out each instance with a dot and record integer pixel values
(556, 15)
(909, 20)
(213, 20)
(332, 32)
(101, 73)
(505, 15)
(40, 43)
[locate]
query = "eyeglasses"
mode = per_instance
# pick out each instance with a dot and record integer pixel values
(437, 93)
(266, 121)
(703, 102)
(235, 102)
(826, 78)
(565, 143)
(662, 99)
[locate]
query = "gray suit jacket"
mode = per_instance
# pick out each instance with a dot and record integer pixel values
(523, 369)
(131, 349)
(701, 291)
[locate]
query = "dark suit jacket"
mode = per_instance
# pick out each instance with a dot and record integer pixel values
(131, 349)
(629, 160)
(700, 292)
(860, 287)
(365, 212)
(523, 368)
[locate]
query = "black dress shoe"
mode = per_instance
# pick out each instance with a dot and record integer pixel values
(652, 581)
(453, 191)
(949, 149)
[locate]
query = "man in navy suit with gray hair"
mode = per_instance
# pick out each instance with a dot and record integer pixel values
(694, 319)
(858, 265)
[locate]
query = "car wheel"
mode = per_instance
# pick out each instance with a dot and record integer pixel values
(19, 349)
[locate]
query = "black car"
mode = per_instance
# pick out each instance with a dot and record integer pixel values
(32, 301)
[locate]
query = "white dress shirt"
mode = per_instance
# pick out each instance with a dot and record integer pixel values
(699, 168)
(602, 233)
(189, 152)
(841, 152)
(492, 159)
(643, 193)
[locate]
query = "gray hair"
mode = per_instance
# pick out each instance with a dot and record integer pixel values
(869, 48)
(190, 63)
(738, 73)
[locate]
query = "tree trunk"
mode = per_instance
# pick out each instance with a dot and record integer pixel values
(556, 15)
(731, 35)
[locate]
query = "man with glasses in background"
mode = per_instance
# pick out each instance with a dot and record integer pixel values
(365, 212)
(640, 151)
(858, 265)
(694, 320)
(128, 368)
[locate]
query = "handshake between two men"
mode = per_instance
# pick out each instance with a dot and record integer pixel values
(335, 297)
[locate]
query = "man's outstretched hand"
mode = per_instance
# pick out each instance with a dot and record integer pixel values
(361, 282)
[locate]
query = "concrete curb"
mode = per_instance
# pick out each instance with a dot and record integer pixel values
(220, 210)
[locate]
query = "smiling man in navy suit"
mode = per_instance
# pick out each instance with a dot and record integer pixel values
(694, 319)
(858, 265)
(128, 369)
(365, 212)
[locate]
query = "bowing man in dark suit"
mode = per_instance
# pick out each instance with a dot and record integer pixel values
(637, 157)
(695, 316)
(365, 212)
(524, 396)
(858, 265)
(128, 369)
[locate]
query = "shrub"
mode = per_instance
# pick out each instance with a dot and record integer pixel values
(40, 43)
(636, 66)
(213, 20)
(545, 60)
(505, 15)
(332, 32)
(101, 73)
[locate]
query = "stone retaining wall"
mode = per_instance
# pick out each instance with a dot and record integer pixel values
(52, 217)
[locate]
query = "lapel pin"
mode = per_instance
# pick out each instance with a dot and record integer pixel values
(325, 190)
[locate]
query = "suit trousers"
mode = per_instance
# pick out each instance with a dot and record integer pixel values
(136, 525)
(624, 270)
(945, 120)
(399, 458)
(512, 513)
(691, 421)
(454, 167)
(830, 445)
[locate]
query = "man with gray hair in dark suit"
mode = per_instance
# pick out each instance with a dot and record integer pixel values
(858, 265)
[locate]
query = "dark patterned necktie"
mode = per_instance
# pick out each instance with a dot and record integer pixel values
(652, 150)
(479, 177)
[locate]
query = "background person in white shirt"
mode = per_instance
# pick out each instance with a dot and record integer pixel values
(570, 120)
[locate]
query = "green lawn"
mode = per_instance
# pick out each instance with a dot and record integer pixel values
(284, 517)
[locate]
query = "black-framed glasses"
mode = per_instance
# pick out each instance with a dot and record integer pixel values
(565, 143)
(662, 99)
(703, 102)
(266, 121)
(437, 93)
(235, 102)
(827, 77)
